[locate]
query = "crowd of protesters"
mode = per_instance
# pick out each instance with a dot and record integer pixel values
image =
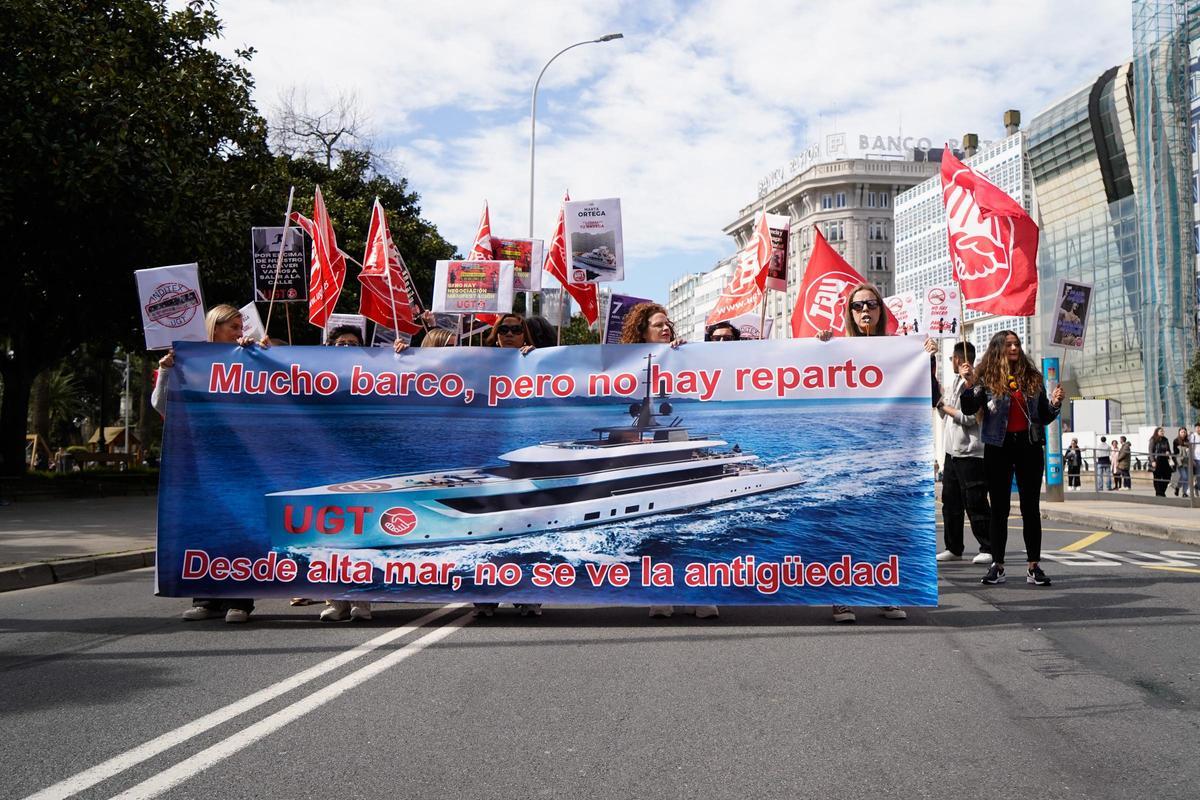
(993, 415)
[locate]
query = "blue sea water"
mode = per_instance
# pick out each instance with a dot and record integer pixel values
(868, 492)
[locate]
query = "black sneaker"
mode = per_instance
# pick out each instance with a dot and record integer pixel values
(995, 574)
(1037, 577)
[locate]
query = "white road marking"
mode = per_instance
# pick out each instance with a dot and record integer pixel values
(169, 778)
(117, 764)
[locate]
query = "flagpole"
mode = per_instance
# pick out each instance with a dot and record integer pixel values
(287, 310)
(287, 218)
(387, 268)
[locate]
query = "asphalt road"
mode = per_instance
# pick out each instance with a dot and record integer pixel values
(1089, 688)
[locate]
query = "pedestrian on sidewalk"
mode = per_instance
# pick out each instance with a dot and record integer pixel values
(1010, 390)
(1074, 461)
(1181, 448)
(964, 484)
(1103, 465)
(1160, 454)
(1123, 465)
(1194, 441)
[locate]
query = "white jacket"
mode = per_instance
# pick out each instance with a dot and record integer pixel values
(960, 432)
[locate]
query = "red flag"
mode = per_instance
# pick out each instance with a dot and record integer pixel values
(821, 302)
(482, 251)
(384, 296)
(744, 292)
(328, 271)
(556, 264)
(993, 242)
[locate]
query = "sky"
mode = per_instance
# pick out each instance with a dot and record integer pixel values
(681, 118)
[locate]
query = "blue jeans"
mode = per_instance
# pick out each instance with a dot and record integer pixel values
(1103, 476)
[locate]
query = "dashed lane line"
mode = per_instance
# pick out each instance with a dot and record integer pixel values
(1085, 542)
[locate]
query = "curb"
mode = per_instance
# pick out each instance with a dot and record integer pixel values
(26, 576)
(1141, 528)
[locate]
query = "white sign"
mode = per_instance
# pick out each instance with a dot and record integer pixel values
(750, 325)
(940, 307)
(351, 320)
(252, 324)
(594, 245)
(383, 336)
(906, 308)
(172, 306)
(473, 287)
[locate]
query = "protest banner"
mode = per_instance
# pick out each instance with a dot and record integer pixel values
(906, 308)
(467, 287)
(752, 326)
(172, 306)
(618, 307)
(527, 256)
(593, 230)
(292, 287)
(1068, 326)
(940, 307)
(614, 474)
(780, 226)
(357, 321)
(252, 324)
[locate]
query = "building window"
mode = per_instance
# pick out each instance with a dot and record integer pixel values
(871, 200)
(840, 200)
(834, 231)
(878, 260)
(826, 201)
(877, 230)
(883, 199)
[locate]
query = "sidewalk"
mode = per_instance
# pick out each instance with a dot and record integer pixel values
(51, 541)
(47, 541)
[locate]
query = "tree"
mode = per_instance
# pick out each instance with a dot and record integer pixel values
(1193, 381)
(579, 332)
(299, 131)
(124, 143)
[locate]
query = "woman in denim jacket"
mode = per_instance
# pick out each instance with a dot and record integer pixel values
(1010, 390)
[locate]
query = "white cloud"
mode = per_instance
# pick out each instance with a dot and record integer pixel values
(680, 118)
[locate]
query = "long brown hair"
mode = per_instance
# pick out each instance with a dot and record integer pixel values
(493, 336)
(994, 370)
(852, 328)
(638, 320)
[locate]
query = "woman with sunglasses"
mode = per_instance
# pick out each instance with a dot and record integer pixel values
(510, 331)
(649, 323)
(864, 316)
(1009, 388)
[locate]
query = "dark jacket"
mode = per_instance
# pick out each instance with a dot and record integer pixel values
(995, 413)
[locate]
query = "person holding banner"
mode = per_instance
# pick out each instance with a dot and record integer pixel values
(649, 323)
(223, 324)
(510, 331)
(1011, 392)
(722, 332)
(964, 481)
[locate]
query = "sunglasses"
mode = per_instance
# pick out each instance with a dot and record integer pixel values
(859, 305)
(721, 338)
(509, 330)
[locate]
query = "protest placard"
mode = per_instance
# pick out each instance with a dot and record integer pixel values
(906, 308)
(470, 287)
(252, 324)
(292, 286)
(618, 307)
(780, 227)
(356, 321)
(172, 306)
(940, 309)
(614, 474)
(593, 230)
(1068, 324)
(527, 257)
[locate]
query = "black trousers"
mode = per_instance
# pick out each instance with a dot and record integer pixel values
(1024, 458)
(1073, 476)
(964, 488)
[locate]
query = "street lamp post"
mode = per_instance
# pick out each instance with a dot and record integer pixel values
(533, 134)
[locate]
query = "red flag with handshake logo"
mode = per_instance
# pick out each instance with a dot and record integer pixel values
(328, 271)
(556, 264)
(821, 302)
(993, 242)
(482, 251)
(744, 292)
(384, 298)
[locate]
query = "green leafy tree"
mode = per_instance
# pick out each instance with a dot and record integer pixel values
(578, 332)
(1193, 382)
(124, 143)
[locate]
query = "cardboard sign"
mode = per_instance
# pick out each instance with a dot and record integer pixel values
(780, 226)
(352, 320)
(619, 306)
(1069, 323)
(527, 257)
(292, 286)
(940, 307)
(906, 309)
(172, 306)
(593, 229)
(252, 324)
(471, 287)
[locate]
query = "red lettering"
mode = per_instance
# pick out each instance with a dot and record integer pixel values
(225, 378)
(195, 564)
(290, 526)
(870, 376)
(326, 383)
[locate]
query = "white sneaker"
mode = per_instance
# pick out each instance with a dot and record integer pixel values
(360, 611)
(946, 555)
(485, 609)
(199, 612)
(843, 614)
(336, 611)
(705, 612)
(236, 615)
(982, 558)
(662, 612)
(894, 612)
(529, 609)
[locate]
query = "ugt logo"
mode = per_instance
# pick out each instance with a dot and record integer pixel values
(980, 247)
